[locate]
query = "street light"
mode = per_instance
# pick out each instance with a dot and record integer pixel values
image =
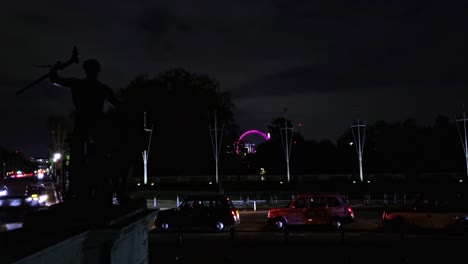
(216, 147)
(286, 142)
(360, 137)
(145, 153)
(56, 158)
(464, 139)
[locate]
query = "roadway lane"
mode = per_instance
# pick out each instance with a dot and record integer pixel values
(272, 247)
(361, 242)
(18, 187)
(10, 220)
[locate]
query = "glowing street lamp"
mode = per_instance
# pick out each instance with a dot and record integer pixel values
(57, 157)
(145, 153)
(287, 142)
(216, 144)
(359, 132)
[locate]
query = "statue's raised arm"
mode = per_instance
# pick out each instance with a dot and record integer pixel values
(73, 59)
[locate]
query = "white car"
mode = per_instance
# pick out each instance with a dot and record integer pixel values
(3, 191)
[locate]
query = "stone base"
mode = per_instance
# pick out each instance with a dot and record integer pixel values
(81, 215)
(65, 234)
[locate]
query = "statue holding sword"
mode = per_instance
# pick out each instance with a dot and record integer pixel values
(88, 182)
(87, 177)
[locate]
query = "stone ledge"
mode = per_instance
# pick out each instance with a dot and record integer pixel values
(121, 238)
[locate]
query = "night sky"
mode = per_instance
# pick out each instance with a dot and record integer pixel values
(328, 62)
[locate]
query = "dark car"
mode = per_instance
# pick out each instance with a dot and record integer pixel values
(430, 210)
(13, 208)
(203, 211)
(36, 194)
(312, 209)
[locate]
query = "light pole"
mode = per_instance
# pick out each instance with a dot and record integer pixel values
(216, 146)
(286, 143)
(56, 158)
(145, 153)
(463, 138)
(356, 129)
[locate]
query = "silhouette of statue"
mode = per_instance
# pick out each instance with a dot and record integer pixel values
(89, 181)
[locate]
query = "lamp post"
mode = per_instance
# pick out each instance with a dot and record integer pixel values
(463, 137)
(287, 143)
(216, 148)
(356, 129)
(145, 153)
(56, 158)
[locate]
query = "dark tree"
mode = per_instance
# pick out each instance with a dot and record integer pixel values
(181, 106)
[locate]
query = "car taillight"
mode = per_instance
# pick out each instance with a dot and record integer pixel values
(235, 214)
(349, 210)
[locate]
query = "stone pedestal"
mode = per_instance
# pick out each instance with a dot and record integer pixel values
(117, 235)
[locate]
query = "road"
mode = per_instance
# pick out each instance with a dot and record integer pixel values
(10, 220)
(361, 242)
(18, 187)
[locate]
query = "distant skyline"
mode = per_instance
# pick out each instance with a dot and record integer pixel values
(327, 62)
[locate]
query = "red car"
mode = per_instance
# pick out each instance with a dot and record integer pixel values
(326, 209)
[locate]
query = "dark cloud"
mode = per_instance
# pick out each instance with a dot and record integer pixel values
(264, 52)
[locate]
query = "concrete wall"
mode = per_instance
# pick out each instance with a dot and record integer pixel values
(126, 241)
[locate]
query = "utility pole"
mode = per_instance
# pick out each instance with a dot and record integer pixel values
(146, 151)
(216, 147)
(356, 129)
(286, 143)
(464, 137)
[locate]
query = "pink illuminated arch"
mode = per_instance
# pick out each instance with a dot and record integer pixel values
(253, 131)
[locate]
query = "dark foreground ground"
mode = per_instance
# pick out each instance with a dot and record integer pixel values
(255, 249)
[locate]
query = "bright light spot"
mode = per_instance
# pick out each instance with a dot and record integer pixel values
(56, 157)
(152, 183)
(351, 143)
(354, 181)
(138, 184)
(460, 180)
(281, 182)
(368, 181)
(210, 183)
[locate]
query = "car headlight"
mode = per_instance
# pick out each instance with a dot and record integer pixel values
(43, 198)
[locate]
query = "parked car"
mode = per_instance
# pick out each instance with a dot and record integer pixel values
(432, 210)
(36, 194)
(318, 209)
(202, 211)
